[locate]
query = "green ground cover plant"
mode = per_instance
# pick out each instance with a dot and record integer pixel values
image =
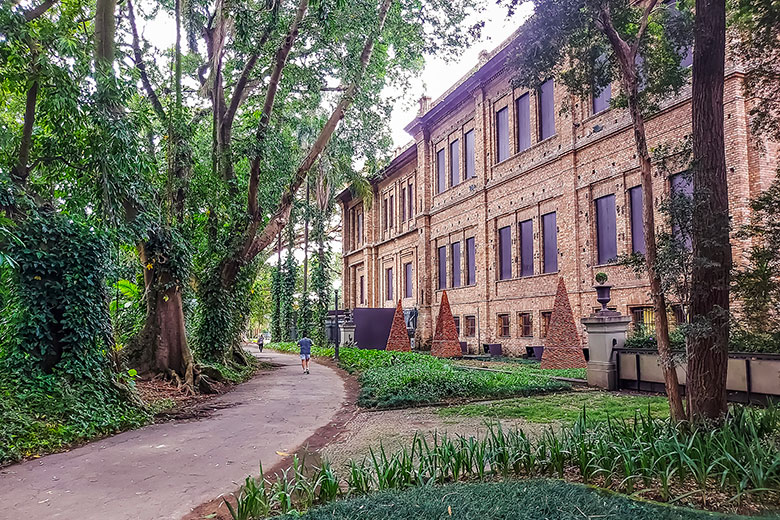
(526, 366)
(518, 500)
(735, 467)
(396, 379)
(566, 407)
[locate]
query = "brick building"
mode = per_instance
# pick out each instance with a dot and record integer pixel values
(501, 192)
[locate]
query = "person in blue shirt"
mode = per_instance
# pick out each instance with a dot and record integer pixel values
(305, 344)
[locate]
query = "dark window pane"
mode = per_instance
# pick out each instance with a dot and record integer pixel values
(408, 280)
(606, 229)
(471, 267)
(362, 289)
(502, 134)
(682, 188)
(523, 109)
(471, 167)
(550, 243)
(601, 101)
(389, 281)
(442, 267)
(392, 211)
(503, 325)
(454, 162)
(526, 248)
(360, 227)
(471, 326)
(546, 110)
(440, 174)
(384, 213)
(504, 253)
(456, 264)
(411, 201)
(637, 225)
(676, 18)
(403, 204)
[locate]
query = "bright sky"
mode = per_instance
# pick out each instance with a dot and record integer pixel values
(439, 75)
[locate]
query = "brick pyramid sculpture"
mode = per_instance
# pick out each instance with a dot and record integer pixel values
(562, 347)
(399, 337)
(445, 339)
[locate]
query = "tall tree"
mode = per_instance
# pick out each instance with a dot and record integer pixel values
(587, 44)
(708, 338)
(161, 346)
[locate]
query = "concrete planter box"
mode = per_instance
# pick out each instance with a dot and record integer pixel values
(749, 375)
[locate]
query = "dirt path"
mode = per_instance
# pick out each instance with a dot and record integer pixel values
(164, 470)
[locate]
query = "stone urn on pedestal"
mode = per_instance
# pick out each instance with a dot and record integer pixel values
(606, 331)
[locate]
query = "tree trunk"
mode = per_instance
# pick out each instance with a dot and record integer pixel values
(306, 245)
(710, 277)
(161, 346)
(626, 56)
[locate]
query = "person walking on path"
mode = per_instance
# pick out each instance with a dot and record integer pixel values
(305, 344)
(260, 342)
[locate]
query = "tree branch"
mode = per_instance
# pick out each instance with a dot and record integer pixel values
(280, 60)
(643, 25)
(39, 10)
(141, 66)
(20, 170)
(280, 218)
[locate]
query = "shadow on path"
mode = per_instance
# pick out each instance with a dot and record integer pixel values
(163, 470)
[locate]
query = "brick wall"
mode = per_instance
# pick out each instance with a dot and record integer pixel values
(589, 156)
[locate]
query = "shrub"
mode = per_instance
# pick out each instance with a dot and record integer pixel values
(393, 379)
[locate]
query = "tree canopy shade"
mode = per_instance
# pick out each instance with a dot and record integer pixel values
(189, 160)
(589, 44)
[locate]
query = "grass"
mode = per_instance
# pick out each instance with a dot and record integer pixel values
(733, 468)
(518, 500)
(398, 379)
(566, 407)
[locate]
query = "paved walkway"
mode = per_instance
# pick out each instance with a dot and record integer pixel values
(162, 471)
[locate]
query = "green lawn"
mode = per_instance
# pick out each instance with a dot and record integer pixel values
(566, 407)
(516, 500)
(397, 379)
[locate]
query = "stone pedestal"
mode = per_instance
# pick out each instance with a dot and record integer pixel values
(606, 331)
(348, 332)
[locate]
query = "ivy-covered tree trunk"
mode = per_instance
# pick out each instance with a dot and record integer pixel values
(708, 338)
(320, 281)
(276, 295)
(304, 306)
(289, 278)
(161, 346)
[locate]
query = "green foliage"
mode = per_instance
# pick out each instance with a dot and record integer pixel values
(222, 315)
(566, 407)
(756, 24)
(565, 39)
(127, 309)
(397, 379)
(601, 277)
(641, 337)
(639, 454)
(524, 500)
(56, 373)
(276, 299)
(757, 282)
